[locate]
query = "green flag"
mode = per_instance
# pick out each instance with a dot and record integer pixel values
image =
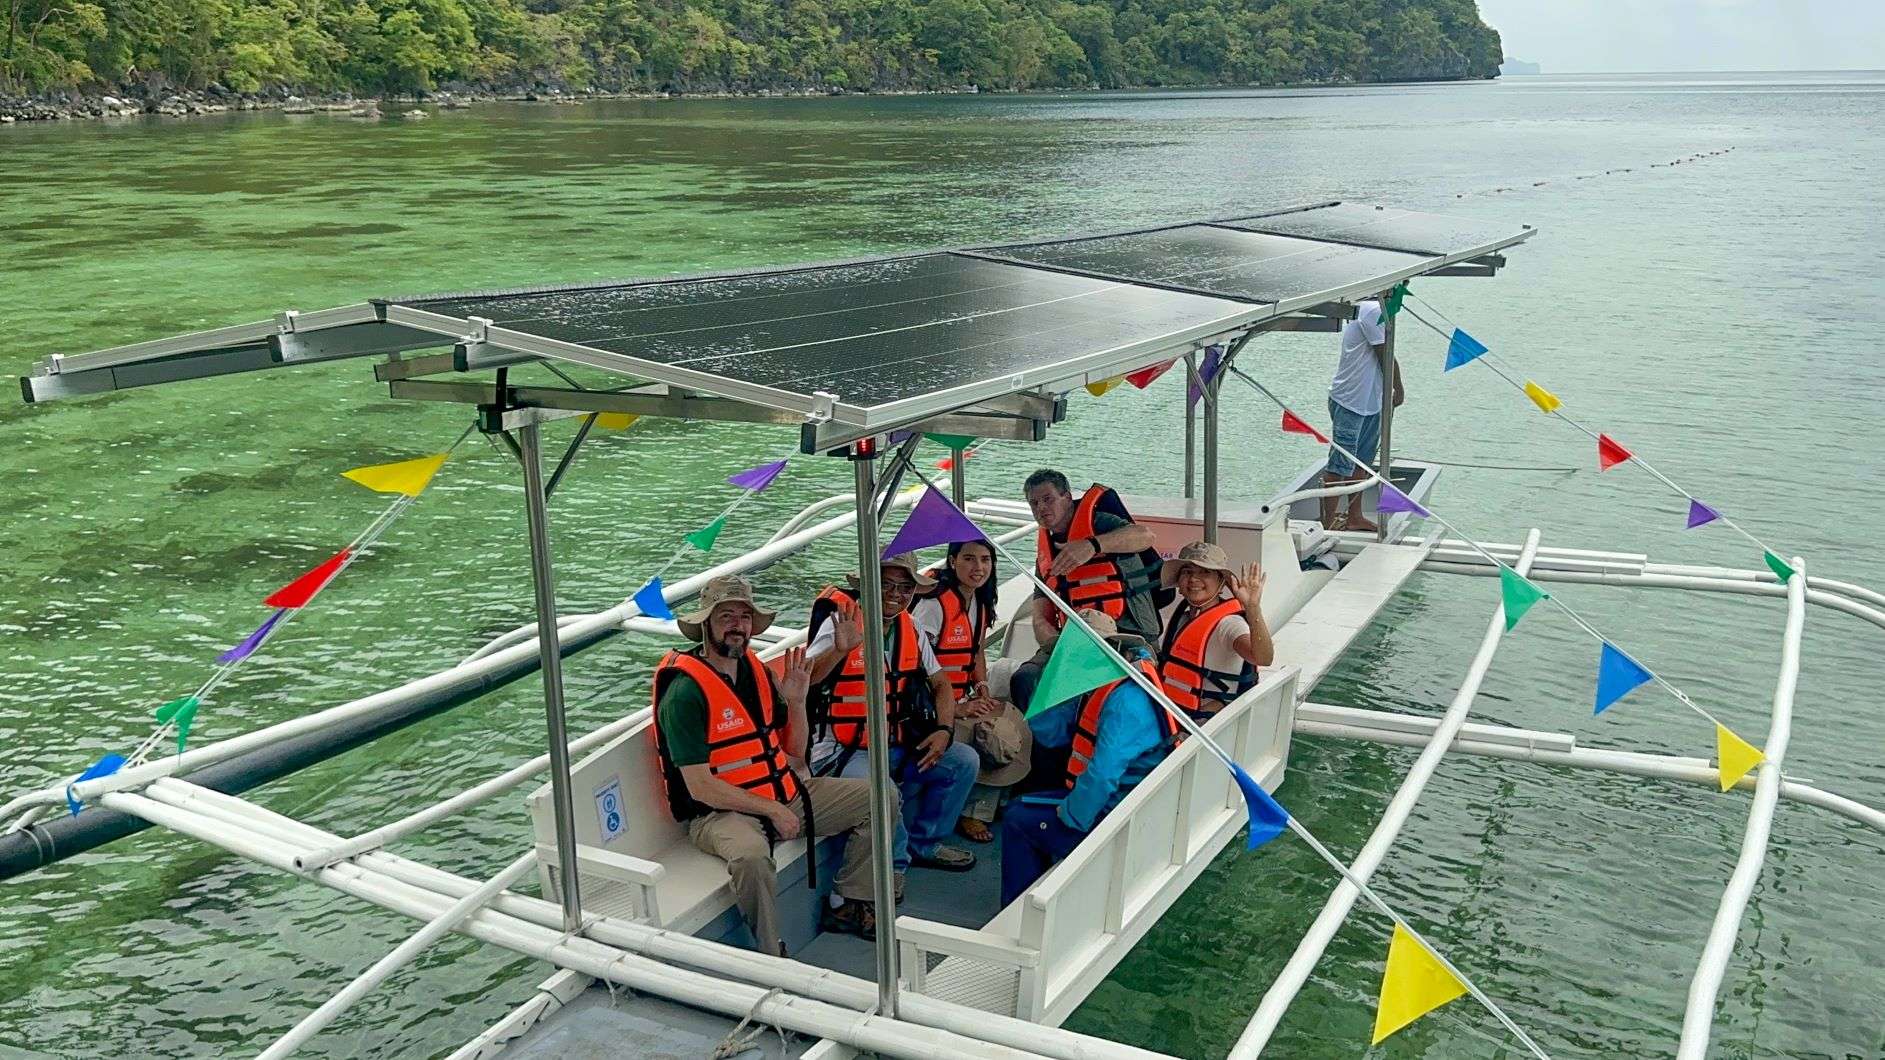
(183, 712)
(704, 537)
(1778, 566)
(1518, 595)
(1395, 298)
(1078, 665)
(952, 441)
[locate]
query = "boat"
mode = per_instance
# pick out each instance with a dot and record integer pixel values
(865, 359)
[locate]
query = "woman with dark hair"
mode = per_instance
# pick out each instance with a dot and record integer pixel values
(955, 618)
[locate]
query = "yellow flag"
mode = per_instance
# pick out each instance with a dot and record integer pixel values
(409, 477)
(1736, 756)
(1104, 386)
(615, 421)
(1544, 399)
(1414, 984)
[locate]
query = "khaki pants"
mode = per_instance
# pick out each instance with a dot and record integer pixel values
(740, 840)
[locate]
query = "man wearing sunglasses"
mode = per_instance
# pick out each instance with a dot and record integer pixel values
(935, 775)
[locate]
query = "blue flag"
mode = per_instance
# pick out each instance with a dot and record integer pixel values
(1267, 816)
(104, 767)
(651, 601)
(1617, 676)
(1462, 349)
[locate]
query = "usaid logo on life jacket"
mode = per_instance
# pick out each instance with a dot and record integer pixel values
(727, 723)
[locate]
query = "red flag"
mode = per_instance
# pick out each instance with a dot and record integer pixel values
(948, 463)
(1609, 453)
(302, 589)
(1144, 376)
(1294, 424)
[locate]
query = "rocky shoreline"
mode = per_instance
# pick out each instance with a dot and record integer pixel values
(79, 106)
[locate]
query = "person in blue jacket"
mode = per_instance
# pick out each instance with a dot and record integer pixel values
(1115, 735)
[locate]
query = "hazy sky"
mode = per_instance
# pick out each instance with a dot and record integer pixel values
(1600, 35)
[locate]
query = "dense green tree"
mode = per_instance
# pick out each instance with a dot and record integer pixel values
(413, 46)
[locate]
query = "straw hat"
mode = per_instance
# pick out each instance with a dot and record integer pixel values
(1002, 741)
(726, 589)
(1198, 554)
(903, 561)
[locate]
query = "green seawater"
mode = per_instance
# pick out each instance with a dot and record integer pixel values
(1720, 316)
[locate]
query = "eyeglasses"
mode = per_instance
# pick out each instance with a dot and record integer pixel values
(899, 588)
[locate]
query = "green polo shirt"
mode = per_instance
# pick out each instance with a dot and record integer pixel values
(682, 713)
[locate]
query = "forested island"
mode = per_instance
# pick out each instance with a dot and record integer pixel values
(411, 47)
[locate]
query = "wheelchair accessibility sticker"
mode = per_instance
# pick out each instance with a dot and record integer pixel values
(609, 810)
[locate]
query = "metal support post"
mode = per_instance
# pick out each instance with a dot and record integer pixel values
(1191, 430)
(550, 655)
(569, 455)
(1385, 459)
(958, 476)
(877, 728)
(1209, 400)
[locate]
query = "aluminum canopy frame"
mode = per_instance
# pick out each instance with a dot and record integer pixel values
(855, 348)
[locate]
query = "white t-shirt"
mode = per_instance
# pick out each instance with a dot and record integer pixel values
(1357, 383)
(826, 641)
(1220, 652)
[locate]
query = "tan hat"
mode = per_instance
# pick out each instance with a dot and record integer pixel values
(904, 561)
(1102, 623)
(1004, 743)
(1198, 554)
(726, 589)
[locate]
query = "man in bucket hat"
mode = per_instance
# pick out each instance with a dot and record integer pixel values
(1214, 636)
(934, 773)
(1115, 736)
(730, 735)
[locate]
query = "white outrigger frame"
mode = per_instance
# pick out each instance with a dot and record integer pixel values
(815, 1001)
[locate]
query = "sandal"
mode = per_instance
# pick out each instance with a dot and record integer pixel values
(851, 918)
(948, 859)
(974, 831)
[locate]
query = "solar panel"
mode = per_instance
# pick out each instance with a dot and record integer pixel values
(1228, 262)
(1426, 234)
(873, 334)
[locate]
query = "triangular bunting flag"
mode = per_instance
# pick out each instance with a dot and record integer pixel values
(934, 521)
(615, 421)
(1609, 453)
(1734, 756)
(652, 601)
(1461, 349)
(1617, 676)
(952, 441)
(1078, 665)
(1396, 297)
(1104, 386)
(948, 463)
(1544, 399)
(757, 478)
(1267, 816)
(1779, 566)
(104, 767)
(1143, 377)
(182, 711)
(252, 641)
(1517, 595)
(704, 537)
(1700, 514)
(298, 592)
(1206, 372)
(407, 476)
(1393, 500)
(1413, 984)
(1294, 424)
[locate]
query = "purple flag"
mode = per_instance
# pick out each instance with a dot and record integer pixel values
(934, 521)
(757, 478)
(253, 641)
(1393, 500)
(1700, 514)
(1206, 372)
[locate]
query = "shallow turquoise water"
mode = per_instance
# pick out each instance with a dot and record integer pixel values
(1719, 316)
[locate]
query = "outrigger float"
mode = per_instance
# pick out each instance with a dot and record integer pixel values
(864, 357)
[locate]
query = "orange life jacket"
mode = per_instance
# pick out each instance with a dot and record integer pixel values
(1188, 682)
(744, 740)
(960, 642)
(1086, 728)
(841, 705)
(1100, 582)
